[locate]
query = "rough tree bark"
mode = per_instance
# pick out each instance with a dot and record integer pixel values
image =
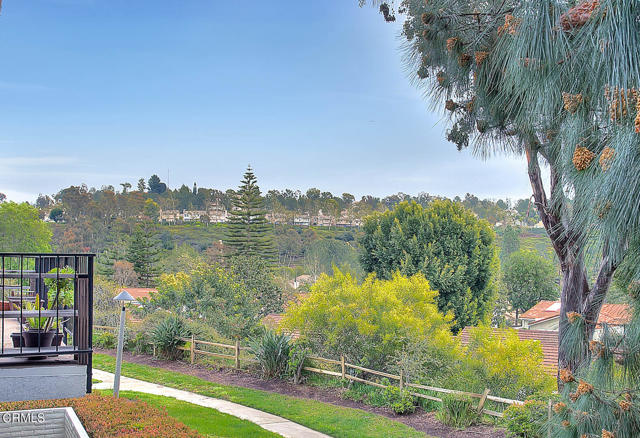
(577, 294)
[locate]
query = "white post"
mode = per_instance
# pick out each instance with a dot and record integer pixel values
(116, 380)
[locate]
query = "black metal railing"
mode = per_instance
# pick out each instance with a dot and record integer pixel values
(47, 306)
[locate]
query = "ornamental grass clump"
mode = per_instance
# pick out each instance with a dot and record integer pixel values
(166, 336)
(457, 411)
(272, 350)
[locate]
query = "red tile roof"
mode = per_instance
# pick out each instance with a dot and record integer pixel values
(548, 341)
(613, 314)
(140, 292)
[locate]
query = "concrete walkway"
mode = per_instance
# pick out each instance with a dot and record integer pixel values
(267, 421)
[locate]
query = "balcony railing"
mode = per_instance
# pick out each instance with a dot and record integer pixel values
(46, 307)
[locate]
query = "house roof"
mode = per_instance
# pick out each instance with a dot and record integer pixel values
(548, 341)
(613, 314)
(140, 292)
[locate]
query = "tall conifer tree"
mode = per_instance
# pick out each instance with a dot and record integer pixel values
(144, 253)
(249, 233)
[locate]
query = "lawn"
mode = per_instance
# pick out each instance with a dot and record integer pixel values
(332, 420)
(206, 421)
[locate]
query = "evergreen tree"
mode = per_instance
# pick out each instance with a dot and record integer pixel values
(512, 74)
(452, 248)
(248, 233)
(144, 253)
(557, 82)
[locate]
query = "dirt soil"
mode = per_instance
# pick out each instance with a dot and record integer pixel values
(420, 420)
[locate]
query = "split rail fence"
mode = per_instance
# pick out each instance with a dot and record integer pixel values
(234, 353)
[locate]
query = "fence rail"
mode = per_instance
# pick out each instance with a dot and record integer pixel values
(344, 373)
(402, 383)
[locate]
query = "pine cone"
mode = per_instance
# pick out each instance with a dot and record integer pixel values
(450, 105)
(441, 77)
(582, 157)
(559, 408)
(480, 56)
(607, 434)
(566, 424)
(584, 388)
(510, 25)
(606, 157)
(578, 15)
(566, 376)
(451, 44)
(624, 405)
(427, 17)
(464, 60)
(571, 101)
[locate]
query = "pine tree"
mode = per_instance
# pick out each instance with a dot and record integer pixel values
(144, 253)
(248, 233)
(559, 84)
(114, 250)
(512, 76)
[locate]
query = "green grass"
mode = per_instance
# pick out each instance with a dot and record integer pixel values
(207, 421)
(332, 420)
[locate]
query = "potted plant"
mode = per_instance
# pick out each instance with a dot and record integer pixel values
(43, 331)
(38, 333)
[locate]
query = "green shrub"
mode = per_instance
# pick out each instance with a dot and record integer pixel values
(527, 420)
(366, 394)
(298, 354)
(457, 411)
(105, 339)
(399, 400)
(166, 337)
(272, 352)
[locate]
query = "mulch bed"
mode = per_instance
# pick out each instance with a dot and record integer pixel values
(420, 420)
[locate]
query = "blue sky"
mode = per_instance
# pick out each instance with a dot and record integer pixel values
(312, 94)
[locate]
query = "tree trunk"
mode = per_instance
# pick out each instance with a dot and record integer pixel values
(574, 289)
(576, 295)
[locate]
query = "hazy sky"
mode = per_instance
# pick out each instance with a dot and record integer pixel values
(312, 94)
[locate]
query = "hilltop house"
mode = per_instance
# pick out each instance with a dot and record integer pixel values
(546, 316)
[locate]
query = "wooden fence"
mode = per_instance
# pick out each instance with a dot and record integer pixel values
(193, 350)
(403, 384)
(236, 349)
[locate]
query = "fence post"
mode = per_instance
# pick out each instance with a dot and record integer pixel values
(237, 354)
(549, 422)
(193, 348)
(401, 380)
(342, 366)
(483, 399)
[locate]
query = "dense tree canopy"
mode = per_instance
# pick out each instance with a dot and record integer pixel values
(452, 248)
(528, 279)
(22, 230)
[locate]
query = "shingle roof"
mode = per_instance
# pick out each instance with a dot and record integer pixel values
(140, 292)
(548, 341)
(613, 314)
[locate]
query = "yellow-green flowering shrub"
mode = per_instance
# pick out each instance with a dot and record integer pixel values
(370, 322)
(504, 363)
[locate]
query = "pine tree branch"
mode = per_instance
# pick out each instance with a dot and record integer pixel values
(595, 298)
(552, 223)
